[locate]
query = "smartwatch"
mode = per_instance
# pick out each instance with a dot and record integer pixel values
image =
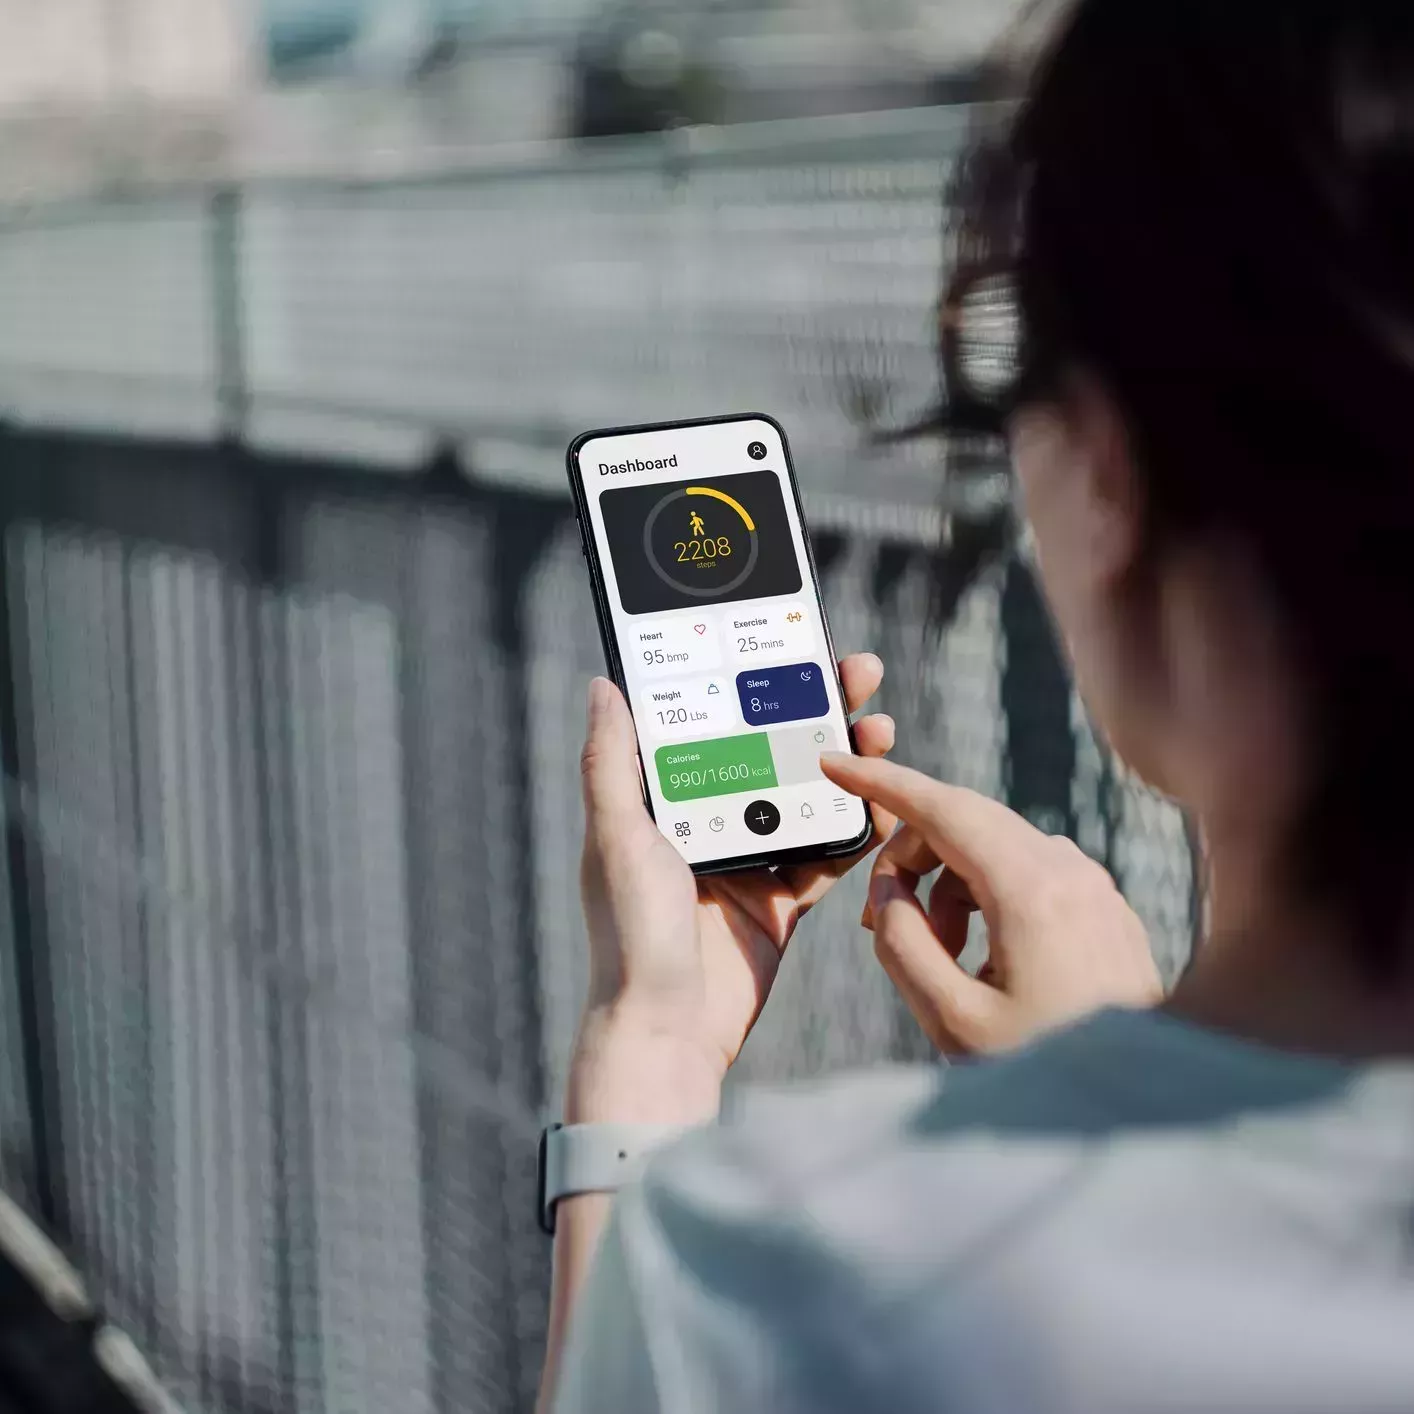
(594, 1158)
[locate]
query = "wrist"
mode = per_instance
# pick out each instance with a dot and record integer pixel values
(630, 1068)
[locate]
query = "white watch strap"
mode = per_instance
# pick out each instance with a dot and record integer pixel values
(595, 1158)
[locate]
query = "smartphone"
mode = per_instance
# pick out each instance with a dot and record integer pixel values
(713, 626)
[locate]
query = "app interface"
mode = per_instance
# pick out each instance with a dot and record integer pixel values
(721, 636)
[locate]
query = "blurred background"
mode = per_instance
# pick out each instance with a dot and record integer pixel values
(300, 302)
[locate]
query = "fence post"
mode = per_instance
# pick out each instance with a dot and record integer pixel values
(29, 937)
(1036, 697)
(227, 312)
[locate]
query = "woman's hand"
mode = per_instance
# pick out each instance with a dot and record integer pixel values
(679, 967)
(1062, 941)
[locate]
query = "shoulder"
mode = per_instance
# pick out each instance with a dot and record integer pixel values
(757, 1253)
(848, 1185)
(836, 1246)
(812, 1251)
(793, 1142)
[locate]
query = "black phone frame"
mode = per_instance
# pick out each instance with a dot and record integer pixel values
(773, 859)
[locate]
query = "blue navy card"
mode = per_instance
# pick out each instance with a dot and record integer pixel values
(787, 694)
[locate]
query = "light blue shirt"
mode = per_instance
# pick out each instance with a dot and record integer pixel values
(1134, 1216)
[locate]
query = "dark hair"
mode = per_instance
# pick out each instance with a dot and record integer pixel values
(1210, 204)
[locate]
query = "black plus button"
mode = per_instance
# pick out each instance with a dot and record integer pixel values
(762, 818)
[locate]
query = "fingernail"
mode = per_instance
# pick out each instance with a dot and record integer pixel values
(866, 919)
(834, 758)
(599, 689)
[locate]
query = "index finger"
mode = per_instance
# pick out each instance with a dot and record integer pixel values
(976, 837)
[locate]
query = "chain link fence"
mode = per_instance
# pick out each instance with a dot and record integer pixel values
(294, 639)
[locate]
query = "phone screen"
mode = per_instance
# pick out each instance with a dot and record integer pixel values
(715, 617)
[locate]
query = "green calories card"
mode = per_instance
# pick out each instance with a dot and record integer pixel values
(722, 767)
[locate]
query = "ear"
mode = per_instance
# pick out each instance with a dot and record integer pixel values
(1109, 495)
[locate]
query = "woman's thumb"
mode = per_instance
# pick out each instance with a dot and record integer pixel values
(609, 764)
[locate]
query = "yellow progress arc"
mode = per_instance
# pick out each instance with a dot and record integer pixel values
(722, 496)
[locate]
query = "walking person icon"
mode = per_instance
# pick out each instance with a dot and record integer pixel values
(698, 525)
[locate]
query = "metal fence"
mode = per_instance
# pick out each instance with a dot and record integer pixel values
(293, 642)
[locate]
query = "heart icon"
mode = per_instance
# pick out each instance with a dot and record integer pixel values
(699, 628)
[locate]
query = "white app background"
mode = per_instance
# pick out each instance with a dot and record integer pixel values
(690, 671)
